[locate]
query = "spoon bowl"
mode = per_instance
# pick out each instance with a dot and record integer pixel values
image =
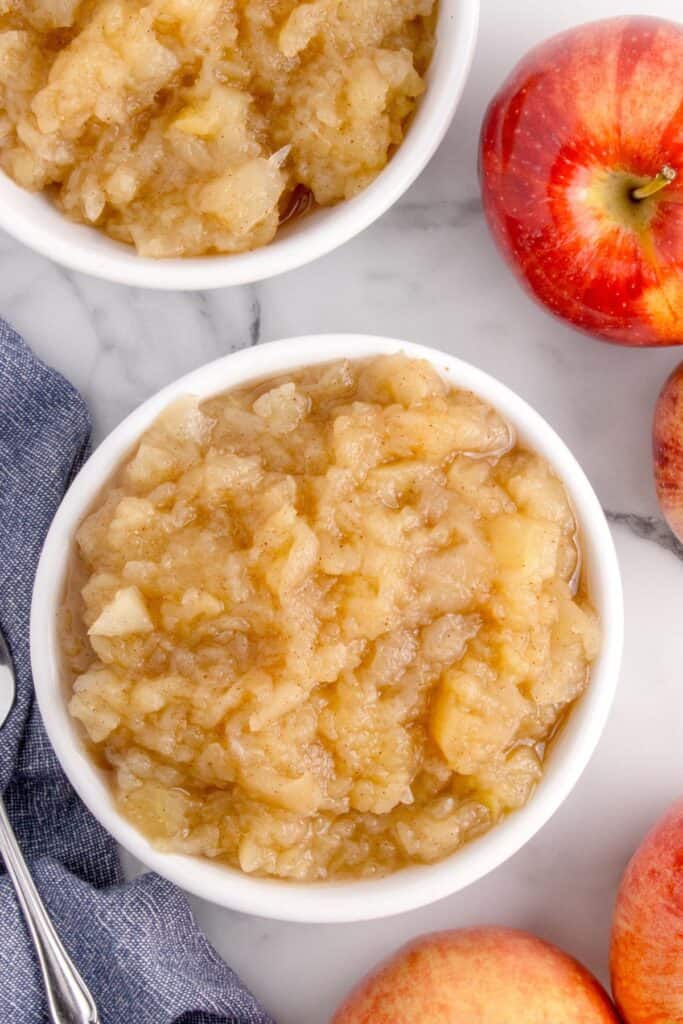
(7, 684)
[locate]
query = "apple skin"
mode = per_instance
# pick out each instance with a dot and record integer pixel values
(667, 451)
(583, 120)
(646, 954)
(478, 976)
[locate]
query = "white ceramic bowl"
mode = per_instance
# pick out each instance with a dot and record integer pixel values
(35, 221)
(414, 886)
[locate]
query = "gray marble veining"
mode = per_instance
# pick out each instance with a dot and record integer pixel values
(651, 528)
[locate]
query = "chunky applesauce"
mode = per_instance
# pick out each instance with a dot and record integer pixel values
(327, 624)
(187, 128)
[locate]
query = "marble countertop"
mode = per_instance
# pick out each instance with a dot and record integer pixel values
(428, 272)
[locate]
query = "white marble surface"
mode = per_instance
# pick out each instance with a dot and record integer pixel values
(428, 272)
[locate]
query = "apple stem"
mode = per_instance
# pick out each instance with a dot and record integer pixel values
(660, 181)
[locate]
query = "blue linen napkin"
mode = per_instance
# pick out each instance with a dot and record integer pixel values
(137, 944)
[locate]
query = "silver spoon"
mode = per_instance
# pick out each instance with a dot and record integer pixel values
(68, 998)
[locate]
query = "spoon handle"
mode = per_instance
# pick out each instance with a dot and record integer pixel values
(68, 998)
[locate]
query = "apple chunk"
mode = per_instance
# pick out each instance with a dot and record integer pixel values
(126, 613)
(526, 546)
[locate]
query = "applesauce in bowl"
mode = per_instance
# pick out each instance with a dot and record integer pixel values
(325, 625)
(35, 219)
(186, 129)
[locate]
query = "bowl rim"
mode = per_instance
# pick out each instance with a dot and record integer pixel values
(30, 218)
(411, 887)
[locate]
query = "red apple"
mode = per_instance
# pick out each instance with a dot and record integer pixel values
(667, 450)
(646, 957)
(479, 976)
(582, 177)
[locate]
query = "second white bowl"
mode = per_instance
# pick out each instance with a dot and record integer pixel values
(32, 219)
(414, 886)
